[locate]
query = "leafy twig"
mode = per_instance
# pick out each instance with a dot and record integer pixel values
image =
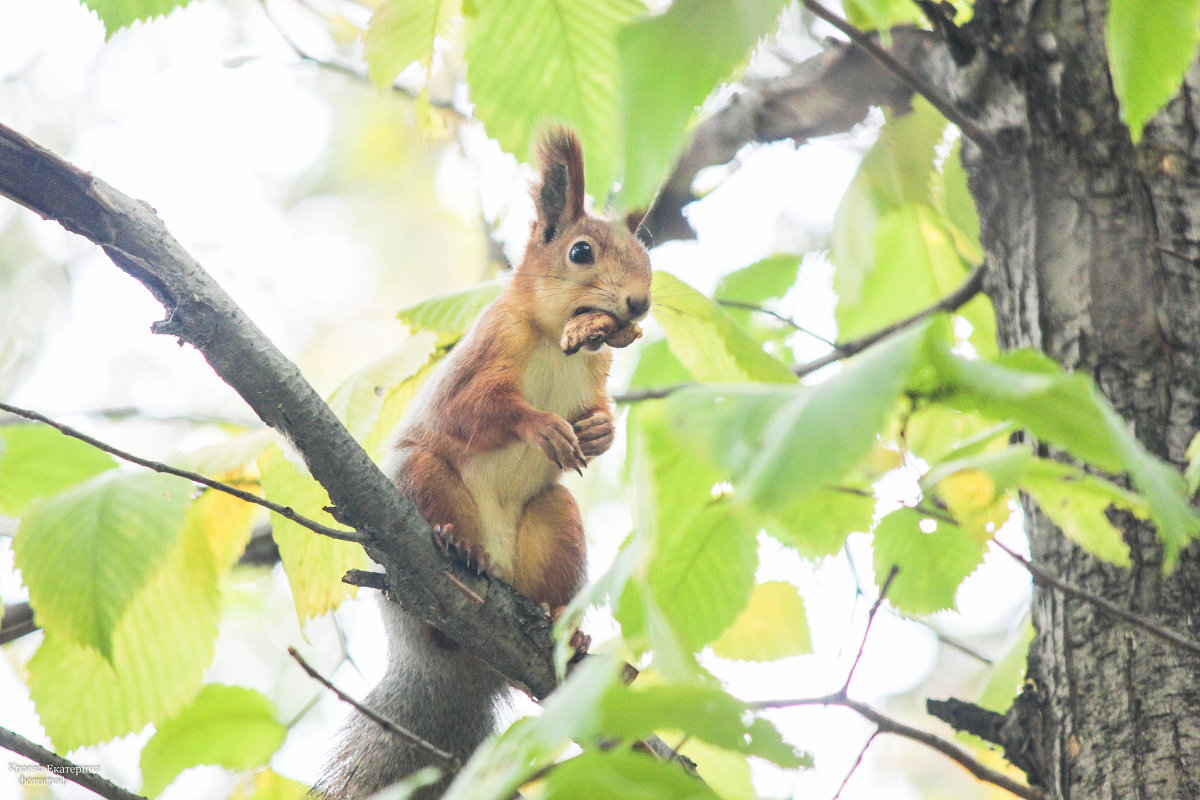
(347, 70)
(447, 760)
(907, 76)
(61, 767)
(194, 477)
(972, 286)
(885, 724)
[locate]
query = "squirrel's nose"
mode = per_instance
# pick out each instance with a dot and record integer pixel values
(638, 306)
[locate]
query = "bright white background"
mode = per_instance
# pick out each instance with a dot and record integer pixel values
(313, 202)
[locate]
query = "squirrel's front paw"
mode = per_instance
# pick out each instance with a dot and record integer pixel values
(556, 438)
(470, 555)
(595, 433)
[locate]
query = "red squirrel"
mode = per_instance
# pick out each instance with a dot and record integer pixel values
(521, 399)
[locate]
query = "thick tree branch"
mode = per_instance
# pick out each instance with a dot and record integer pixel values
(907, 76)
(508, 631)
(826, 94)
(194, 477)
(61, 767)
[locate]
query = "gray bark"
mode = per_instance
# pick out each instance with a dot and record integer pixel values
(1092, 245)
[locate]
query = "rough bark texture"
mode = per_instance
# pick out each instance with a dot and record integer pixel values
(1092, 246)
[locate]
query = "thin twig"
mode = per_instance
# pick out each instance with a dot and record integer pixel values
(784, 319)
(1042, 575)
(972, 286)
(857, 763)
(886, 724)
(194, 477)
(887, 584)
(907, 76)
(56, 765)
(447, 760)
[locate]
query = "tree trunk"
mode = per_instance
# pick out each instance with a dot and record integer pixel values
(1093, 247)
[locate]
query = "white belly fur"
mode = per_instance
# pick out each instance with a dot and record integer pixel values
(502, 481)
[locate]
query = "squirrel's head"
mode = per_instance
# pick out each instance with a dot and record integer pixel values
(576, 262)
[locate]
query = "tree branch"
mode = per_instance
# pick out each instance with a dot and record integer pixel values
(1042, 575)
(194, 477)
(907, 76)
(508, 631)
(17, 622)
(885, 724)
(59, 766)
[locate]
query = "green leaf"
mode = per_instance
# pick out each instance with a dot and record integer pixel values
(916, 264)
(541, 60)
(449, 315)
(773, 625)
(706, 712)
(657, 366)
(817, 524)
(503, 763)
(314, 563)
(1192, 474)
(933, 557)
(622, 775)
(781, 443)
(707, 340)
(1150, 46)
(933, 430)
(38, 461)
(117, 14)
(85, 553)
(360, 399)
(1076, 502)
(1004, 683)
(1067, 411)
(882, 15)
(402, 32)
(161, 646)
(726, 772)
(767, 279)
(224, 726)
(699, 555)
(670, 63)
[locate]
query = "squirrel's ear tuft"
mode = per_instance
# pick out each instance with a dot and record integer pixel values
(559, 193)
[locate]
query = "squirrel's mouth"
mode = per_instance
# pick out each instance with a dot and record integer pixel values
(592, 309)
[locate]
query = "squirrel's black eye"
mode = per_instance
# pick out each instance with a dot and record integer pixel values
(581, 253)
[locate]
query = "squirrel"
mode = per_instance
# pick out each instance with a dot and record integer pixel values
(519, 400)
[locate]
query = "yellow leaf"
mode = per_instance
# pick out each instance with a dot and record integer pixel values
(314, 563)
(773, 625)
(225, 521)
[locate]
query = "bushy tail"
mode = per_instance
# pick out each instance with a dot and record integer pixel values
(439, 693)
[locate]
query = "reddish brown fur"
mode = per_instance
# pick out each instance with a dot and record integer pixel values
(478, 405)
